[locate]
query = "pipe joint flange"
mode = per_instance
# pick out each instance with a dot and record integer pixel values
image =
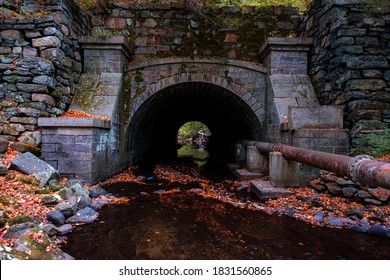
(353, 166)
(277, 147)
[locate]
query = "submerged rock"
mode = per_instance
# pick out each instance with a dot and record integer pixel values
(379, 230)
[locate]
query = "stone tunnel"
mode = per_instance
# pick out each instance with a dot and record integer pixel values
(145, 104)
(153, 128)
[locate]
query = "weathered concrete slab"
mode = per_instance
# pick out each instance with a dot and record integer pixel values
(317, 117)
(265, 190)
(244, 174)
(73, 122)
(28, 164)
(282, 172)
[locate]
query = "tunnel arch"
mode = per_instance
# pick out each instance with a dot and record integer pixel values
(231, 112)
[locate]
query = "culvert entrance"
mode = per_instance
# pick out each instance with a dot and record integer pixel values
(154, 126)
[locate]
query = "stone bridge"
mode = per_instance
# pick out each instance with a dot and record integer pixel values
(145, 104)
(149, 67)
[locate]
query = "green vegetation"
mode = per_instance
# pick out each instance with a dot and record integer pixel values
(190, 129)
(58, 92)
(195, 4)
(375, 144)
(377, 6)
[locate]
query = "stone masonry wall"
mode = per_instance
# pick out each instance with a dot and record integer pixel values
(167, 30)
(350, 63)
(40, 62)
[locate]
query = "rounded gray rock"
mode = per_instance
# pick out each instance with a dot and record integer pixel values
(56, 217)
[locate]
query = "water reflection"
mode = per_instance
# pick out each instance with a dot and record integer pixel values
(198, 154)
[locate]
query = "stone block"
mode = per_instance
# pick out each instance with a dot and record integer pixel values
(256, 162)
(366, 84)
(244, 174)
(32, 88)
(115, 23)
(48, 41)
(265, 190)
(73, 123)
(317, 117)
(75, 166)
(282, 172)
(44, 98)
(29, 164)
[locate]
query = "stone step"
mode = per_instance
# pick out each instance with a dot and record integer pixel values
(265, 190)
(244, 174)
(233, 166)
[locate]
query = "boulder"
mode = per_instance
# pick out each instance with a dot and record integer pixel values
(338, 221)
(24, 147)
(3, 169)
(48, 41)
(18, 230)
(33, 138)
(55, 185)
(50, 200)
(79, 190)
(27, 247)
(320, 216)
(19, 220)
(56, 217)
(372, 201)
(380, 193)
(97, 191)
(65, 193)
(96, 205)
(3, 144)
(14, 129)
(363, 194)
(86, 215)
(379, 230)
(49, 229)
(349, 191)
(83, 201)
(333, 188)
(28, 163)
(64, 229)
(68, 208)
(355, 212)
(361, 227)
(43, 177)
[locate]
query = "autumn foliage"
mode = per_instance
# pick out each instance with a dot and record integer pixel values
(82, 115)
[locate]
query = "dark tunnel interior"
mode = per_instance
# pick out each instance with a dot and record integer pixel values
(153, 129)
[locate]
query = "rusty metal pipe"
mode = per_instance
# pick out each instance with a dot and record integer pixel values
(362, 169)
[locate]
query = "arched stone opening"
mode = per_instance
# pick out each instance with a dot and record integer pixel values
(153, 127)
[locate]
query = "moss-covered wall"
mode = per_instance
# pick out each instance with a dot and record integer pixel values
(167, 30)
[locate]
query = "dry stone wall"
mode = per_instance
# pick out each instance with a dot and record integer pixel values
(40, 62)
(350, 63)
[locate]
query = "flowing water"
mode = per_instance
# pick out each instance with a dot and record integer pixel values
(185, 225)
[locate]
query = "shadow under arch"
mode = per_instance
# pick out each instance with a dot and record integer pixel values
(162, 109)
